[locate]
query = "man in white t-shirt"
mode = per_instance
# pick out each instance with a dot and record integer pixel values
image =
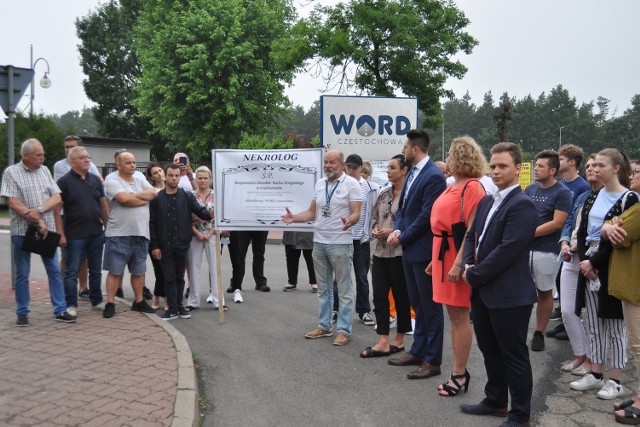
(335, 207)
(127, 234)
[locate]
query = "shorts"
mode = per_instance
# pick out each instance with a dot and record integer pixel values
(544, 268)
(126, 250)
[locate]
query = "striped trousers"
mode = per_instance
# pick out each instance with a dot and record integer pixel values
(605, 334)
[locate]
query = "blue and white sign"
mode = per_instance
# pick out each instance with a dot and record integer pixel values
(373, 127)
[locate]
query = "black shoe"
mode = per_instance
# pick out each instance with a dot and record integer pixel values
(537, 342)
(556, 314)
(263, 288)
(142, 307)
(562, 336)
(66, 318)
(146, 293)
(23, 320)
(119, 293)
(84, 294)
(230, 290)
(183, 314)
(482, 409)
(555, 331)
(168, 316)
(109, 310)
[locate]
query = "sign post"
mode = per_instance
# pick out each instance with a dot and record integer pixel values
(13, 83)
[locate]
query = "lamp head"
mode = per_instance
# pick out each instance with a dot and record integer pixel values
(45, 82)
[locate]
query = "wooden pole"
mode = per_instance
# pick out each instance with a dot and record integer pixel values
(219, 274)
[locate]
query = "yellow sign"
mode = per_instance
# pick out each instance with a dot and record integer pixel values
(525, 175)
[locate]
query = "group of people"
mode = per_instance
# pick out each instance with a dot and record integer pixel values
(490, 249)
(475, 246)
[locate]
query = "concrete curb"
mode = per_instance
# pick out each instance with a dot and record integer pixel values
(186, 412)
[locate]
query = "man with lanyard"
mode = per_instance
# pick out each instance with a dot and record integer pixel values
(335, 207)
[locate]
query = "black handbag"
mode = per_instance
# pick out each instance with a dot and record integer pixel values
(37, 243)
(459, 229)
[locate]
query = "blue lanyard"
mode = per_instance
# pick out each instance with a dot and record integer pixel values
(328, 195)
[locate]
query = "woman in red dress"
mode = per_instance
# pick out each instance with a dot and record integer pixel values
(456, 204)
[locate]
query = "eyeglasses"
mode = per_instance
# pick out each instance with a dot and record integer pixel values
(634, 172)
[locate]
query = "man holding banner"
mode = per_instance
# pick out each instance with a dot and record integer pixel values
(335, 207)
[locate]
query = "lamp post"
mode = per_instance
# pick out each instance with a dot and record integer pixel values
(45, 82)
(560, 143)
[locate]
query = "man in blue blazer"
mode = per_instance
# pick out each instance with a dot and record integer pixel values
(424, 183)
(496, 258)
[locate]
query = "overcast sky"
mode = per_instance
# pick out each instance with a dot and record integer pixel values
(526, 47)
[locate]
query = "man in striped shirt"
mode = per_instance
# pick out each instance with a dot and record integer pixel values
(32, 195)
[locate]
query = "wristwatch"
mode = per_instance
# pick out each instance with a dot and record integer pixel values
(41, 210)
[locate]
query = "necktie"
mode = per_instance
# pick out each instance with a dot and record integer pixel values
(412, 174)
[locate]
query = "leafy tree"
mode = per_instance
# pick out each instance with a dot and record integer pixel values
(304, 124)
(262, 142)
(77, 122)
(385, 46)
(209, 73)
(112, 66)
(502, 117)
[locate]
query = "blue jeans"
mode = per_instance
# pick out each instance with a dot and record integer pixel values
(330, 260)
(23, 267)
(361, 263)
(91, 247)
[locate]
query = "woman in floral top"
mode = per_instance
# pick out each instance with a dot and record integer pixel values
(204, 240)
(387, 271)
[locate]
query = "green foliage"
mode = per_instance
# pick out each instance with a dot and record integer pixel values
(77, 122)
(304, 124)
(262, 142)
(111, 65)
(382, 47)
(42, 128)
(210, 72)
(534, 124)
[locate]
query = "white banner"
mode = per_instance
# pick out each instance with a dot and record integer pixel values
(373, 127)
(253, 187)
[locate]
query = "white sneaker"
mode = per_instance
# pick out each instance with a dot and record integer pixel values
(99, 306)
(611, 390)
(580, 371)
(587, 382)
(210, 298)
(237, 296)
(72, 311)
(393, 322)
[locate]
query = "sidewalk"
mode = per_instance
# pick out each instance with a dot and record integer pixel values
(133, 369)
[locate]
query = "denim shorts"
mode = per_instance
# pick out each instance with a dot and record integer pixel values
(126, 250)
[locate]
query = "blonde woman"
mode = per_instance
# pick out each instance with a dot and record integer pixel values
(203, 240)
(457, 204)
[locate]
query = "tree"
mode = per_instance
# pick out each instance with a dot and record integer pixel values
(111, 65)
(209, 69)
(385, 46)
(77, 122)
(502, 117)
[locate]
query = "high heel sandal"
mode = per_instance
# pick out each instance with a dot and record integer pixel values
(450, 391)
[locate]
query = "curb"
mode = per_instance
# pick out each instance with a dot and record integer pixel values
(185, 409)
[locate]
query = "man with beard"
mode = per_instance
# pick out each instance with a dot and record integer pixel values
(424, 183)
(335, 207)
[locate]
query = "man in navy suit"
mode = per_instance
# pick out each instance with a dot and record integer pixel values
(496, 257)
(424, 183)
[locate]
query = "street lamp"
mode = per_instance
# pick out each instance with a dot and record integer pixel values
(45, 82)
(560, 143)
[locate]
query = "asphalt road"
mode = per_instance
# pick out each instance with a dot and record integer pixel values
(259, 370)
